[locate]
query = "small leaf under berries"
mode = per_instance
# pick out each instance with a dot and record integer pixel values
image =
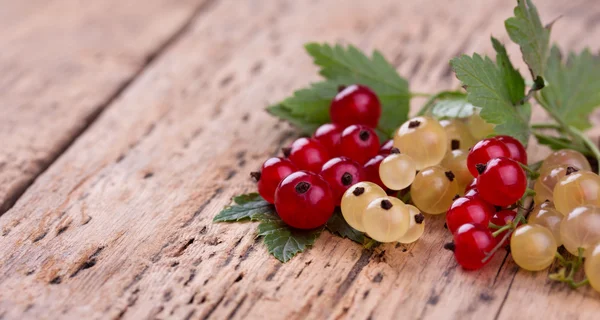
(349, 65)
(487, 88)
(526, 29)
(338, 226)
(573, 89)
(284, 242)
(246, 207)
(448, 104)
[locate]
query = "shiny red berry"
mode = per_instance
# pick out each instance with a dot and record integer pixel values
(516, 148)
(341, 173)
(272, 172)
(359, 143)
(502, 218)
(329, 135)
(372, 170)
(474, 194)
(355, 104)
(472, 243)
(501, 182)
(304, 200)
(484, 151)
(307, 154)
(468, 210)
(386, 147)
(471, 185)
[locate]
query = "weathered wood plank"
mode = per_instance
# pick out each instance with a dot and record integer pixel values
(61, 63)
(120, 225)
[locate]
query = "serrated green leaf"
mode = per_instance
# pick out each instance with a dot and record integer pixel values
(487, 88)
(526, 29)
(349, 65)
(247, 207)
(338, 226)
(513, 78)
(301, 123)
(284, 242)
(573, 89)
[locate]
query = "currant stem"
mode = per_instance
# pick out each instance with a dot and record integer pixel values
(420, 94)
(593, 148)
(530, 192)
(370, 244)
(494, 226)
(575, 285)
(533, 174)
(508, 226)
(563, 262)
(546, 126)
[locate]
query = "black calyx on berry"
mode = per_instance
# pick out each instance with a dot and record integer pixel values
(480, 167)
(456, 197)
(302, 187)
(498, 208)
(455, 144)
(394, 151)
(414, 124)
(358, 191)
(255, 175)
(341, 87)
(571, 170)
(419, 218)
(347, 179)
(450, 246)
(364, 135)
(449, 175)
(386, 204)
(286, 152)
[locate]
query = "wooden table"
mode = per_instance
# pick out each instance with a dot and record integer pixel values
(125, 126)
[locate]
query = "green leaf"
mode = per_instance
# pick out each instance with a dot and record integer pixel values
(284, 242)
(487, 88)
(338, 226)
(573, 89)
(526, 29)
(349, 65)
(246, 207)
(452, 105)
(307, 108)
(514, 81)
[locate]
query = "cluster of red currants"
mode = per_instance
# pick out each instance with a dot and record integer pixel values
(309, 181)
(499, 183)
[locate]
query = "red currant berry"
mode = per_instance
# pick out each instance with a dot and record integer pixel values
(471, 185)
(341, 173)
(468, 210)
(386, 147)
(484, 151)
(272, 172)
(329, 135)
(372, 170)
(472, 242)
(516, 148)
(355, 104)
(501, 182)
(304, 200)
(501, 219)
(359, 143)
(474, 194)
(307, 154)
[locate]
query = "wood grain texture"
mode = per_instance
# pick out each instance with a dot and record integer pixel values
(120, 225)
(61, 63)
